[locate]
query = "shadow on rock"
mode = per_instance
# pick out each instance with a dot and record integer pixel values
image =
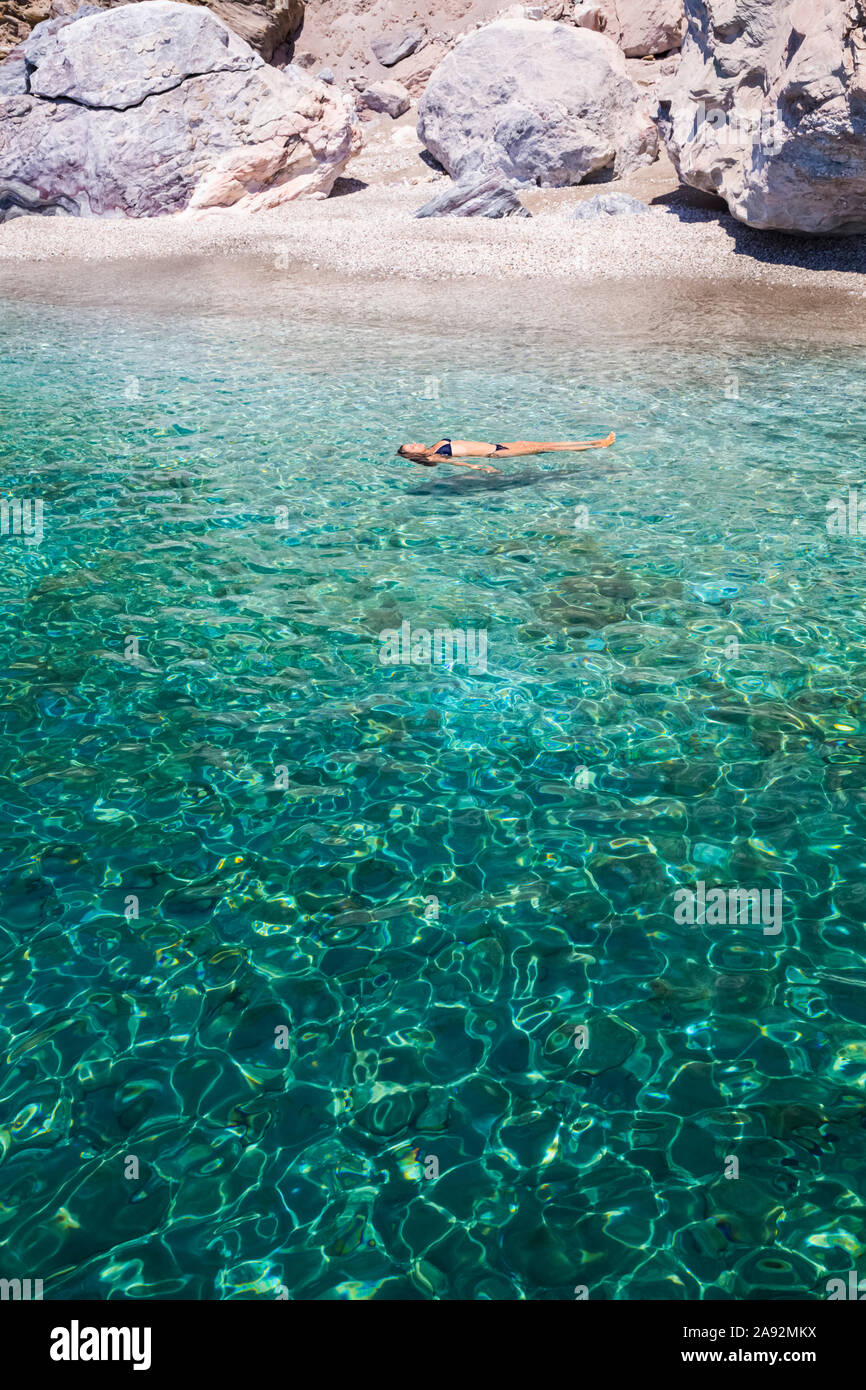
(343, 187)
(692, 204)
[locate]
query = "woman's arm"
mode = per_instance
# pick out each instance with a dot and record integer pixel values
(435, 457)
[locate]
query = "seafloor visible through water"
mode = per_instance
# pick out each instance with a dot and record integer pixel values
(294, 944)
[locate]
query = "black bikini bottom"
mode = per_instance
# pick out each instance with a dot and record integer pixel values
(445, 449)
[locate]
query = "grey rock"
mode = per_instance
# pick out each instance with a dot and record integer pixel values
(609, 205)
(79, 63)
(13, 75)
(388, 97)
(767, 110)
(490, 197)
(61, 15)
(393, 48)
(264, 24)
(156, 108)
(536, 100)
(326, 75)
(13, 70)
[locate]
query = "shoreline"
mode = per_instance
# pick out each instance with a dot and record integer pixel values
(485, 313)
(377, 237)
(365, 232)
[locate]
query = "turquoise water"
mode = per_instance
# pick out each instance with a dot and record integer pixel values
(242, 822)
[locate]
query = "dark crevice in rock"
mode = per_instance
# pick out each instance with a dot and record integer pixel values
(730, 30)
(798, 102)
(795, 43)
(132, 105)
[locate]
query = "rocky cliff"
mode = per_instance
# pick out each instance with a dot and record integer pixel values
(768, 110)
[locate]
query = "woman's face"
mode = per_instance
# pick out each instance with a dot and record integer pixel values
(416, 452)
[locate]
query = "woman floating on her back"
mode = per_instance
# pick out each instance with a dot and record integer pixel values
(456, 450)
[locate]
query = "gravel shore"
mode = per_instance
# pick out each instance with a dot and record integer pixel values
(366, 230)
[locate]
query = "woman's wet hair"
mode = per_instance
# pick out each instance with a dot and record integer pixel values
(408, 454)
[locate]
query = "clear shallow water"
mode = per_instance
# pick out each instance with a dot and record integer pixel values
(405, 867)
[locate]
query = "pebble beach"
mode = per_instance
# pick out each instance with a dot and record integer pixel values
(366, 230)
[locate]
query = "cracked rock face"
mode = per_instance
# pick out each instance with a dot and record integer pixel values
(768, 111)
(537, 101)
(159, 107)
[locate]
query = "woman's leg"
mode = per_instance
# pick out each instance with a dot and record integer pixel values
(528, 446)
